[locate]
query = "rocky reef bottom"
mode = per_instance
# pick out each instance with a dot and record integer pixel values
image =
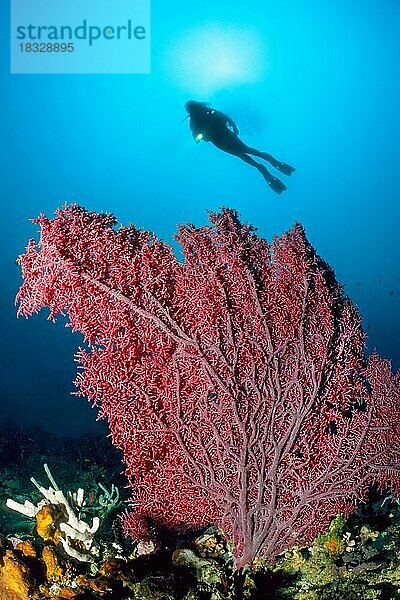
(357, 558)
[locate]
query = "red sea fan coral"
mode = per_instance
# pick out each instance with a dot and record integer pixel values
(234, 382)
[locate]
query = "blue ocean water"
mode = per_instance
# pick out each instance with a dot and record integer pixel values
(314, 83)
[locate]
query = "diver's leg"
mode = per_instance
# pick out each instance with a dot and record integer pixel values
(273, 182)
(278, 164)
(230, 143)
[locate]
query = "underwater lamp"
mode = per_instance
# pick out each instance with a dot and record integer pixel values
(198, 137)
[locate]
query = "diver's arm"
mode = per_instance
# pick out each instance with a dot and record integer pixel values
(230, 122)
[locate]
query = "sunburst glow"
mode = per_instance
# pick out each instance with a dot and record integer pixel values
(207, 59)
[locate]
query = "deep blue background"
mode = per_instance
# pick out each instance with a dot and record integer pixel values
(315, 83)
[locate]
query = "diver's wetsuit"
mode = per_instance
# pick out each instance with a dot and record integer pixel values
(219, 129)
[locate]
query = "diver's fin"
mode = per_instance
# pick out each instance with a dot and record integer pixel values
(278, 164)
(274, 183)
(284, 168)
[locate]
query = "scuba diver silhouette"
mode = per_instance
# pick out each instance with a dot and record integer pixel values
(218, 128)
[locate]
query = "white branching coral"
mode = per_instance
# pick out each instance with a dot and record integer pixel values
(109, 499)
(75, 535)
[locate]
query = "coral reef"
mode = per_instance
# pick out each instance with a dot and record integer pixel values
(357, 558)
(59, 517)
(235, 382)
